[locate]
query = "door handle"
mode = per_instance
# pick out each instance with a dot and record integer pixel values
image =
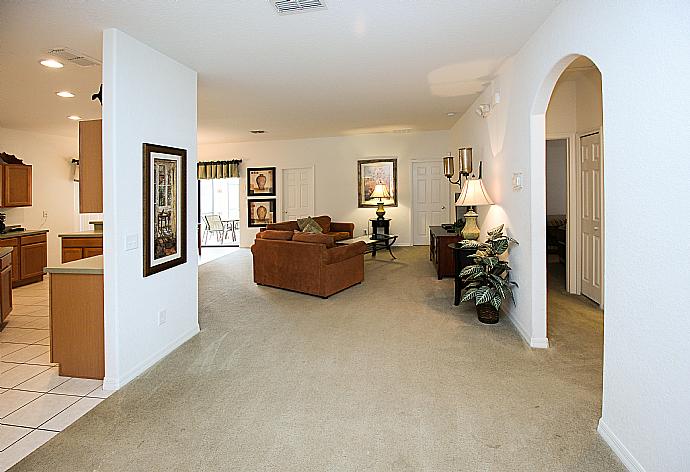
(443, 207)
(596, 228)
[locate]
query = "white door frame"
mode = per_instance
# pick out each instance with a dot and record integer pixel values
(412, 196)
(599, 130)
(573, 263)
(280, 199)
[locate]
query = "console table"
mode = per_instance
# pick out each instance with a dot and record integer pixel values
(439, 252)
(462, 260)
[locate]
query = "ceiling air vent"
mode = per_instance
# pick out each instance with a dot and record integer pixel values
(286, 7)
(74, 57)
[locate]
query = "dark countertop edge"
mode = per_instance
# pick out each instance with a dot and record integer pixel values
(19, 234)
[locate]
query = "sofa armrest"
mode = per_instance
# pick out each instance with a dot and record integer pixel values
(344, 252)
(343, 228)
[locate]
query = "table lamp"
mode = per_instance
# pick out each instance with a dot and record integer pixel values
(380, 192)
(472, 194)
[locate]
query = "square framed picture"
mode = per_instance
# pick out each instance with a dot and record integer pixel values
(372, 172)
(261, 181)
(261, 212)
(165, 208)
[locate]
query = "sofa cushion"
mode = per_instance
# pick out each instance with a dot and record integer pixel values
(275, 234)
(324, 222)
(283, 226)
(309, 225)
(314, 238)
(339, 235)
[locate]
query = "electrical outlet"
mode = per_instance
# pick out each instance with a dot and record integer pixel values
(162, 317)
(45, 214)
(365, 232)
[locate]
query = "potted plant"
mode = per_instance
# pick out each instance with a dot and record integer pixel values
(487, 281)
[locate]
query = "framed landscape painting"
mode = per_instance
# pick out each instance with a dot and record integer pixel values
(165, 208)
(261, 212)
(371, 172)
(261, 181)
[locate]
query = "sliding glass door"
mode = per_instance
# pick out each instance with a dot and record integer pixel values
(219, 209)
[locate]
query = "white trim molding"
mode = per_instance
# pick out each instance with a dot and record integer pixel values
(536, 343)
(618, 448)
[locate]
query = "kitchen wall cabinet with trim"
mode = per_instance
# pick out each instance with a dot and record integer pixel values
(15, 182)
(90, 166)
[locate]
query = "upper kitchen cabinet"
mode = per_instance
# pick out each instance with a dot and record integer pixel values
(15, 182)
(90, 167)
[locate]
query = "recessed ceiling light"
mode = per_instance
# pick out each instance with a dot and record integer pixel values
(74, 117)
(52, 63)
(452, 113)
(257, 131)
(64, 94)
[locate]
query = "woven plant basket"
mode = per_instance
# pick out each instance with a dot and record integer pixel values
(487, 313)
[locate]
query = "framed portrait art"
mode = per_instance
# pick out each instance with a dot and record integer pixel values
(165, 208)
(261, 212)
(371, 172)
(261, 181)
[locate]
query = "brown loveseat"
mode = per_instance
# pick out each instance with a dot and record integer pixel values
(316, 268)
(339, 231)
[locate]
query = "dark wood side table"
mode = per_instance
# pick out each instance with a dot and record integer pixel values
(439, 252)
(380, 226)
(462, 260)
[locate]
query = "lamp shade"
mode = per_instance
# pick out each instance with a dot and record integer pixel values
(473, 193)
(380, 191)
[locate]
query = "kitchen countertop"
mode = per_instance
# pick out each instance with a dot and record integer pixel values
(90, 265)
(5, 251)
(18, 234)
(82, 234)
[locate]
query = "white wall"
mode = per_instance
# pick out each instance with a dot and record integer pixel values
(335, 169)
(54, 191)
(148, 98)
(556, 176)
(641, 49)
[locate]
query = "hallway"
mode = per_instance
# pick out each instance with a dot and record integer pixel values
(387, 375)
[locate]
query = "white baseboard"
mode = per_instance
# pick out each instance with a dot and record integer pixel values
(618, 448)
(115, 383)
(537, 343)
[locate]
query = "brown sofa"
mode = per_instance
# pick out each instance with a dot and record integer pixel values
(339, 231)
(307, 267)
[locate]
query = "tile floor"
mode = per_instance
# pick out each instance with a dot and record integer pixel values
(35, 402)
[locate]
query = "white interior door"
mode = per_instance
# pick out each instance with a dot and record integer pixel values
(429, 199)
(298, 193)
(591, 216)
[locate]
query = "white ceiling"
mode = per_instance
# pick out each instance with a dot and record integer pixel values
(359, 66)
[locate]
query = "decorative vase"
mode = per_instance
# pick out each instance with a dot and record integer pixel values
(486, 313)
(261, 181)
(261, 212)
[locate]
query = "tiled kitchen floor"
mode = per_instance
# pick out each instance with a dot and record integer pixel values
(35, 402)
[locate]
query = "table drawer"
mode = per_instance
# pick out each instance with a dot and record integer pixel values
(37, 238)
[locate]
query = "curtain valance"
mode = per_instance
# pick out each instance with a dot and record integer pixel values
(218, 169)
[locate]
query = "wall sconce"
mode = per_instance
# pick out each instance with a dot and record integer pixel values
(465, 160)
(483, 110)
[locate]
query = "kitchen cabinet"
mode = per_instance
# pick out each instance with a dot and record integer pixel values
(77, 246)
(5, 285)
(90, 166)
(16, 185)
(29, 257)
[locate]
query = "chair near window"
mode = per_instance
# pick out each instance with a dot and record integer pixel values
(214, 225)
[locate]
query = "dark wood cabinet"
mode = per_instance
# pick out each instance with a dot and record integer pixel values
(29, 257)
(75, 248)
(439, 252)
(5, 288)
(16, 185)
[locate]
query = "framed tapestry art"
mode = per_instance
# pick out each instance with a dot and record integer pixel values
(261, 181)
(261, 212)
(165, 208)
(371, 172)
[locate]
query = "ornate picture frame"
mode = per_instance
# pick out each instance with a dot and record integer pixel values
(373, 171)
(261, 181)
(165, 207)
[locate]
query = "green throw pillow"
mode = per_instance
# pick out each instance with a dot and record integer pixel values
(308, 225)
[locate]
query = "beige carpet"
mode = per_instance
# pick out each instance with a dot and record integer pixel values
(386, 376)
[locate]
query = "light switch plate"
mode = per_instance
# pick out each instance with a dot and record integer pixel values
(131, 242)
(518, 183)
